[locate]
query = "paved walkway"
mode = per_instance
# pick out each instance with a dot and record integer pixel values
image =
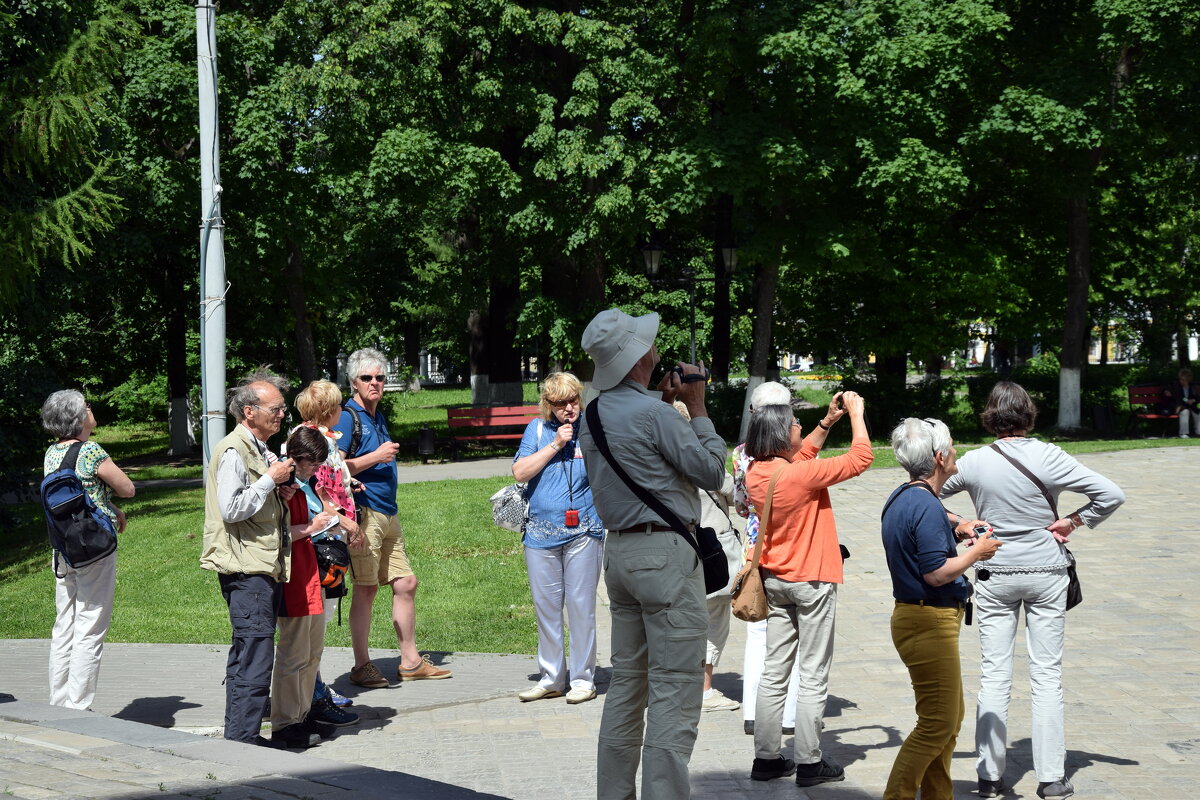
(1132, 693)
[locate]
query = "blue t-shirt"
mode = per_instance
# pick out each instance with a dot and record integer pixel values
(379, 481)
(548, 493)
(917, 539)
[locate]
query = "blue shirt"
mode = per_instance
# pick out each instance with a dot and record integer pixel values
(380, 480)
(562, 484)
(917, 539)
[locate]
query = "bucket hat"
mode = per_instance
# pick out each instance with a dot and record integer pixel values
(615, 341)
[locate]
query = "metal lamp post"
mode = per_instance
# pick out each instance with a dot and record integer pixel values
(652, 254)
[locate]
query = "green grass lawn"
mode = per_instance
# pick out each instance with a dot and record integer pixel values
(474, 594)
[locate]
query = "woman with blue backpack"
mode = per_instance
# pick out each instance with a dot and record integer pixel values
(83, 586)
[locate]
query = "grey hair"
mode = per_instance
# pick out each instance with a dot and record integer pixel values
(244, 394)
(916, 440)
(770, 431)
(362, 358)
(64, 413)
(770, 393)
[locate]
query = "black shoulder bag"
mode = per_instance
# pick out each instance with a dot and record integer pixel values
(1074, 590)
(705, 542)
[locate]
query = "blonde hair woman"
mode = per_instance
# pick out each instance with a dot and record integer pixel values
(563, 540)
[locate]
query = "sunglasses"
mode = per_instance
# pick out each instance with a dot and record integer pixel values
(368, 378)
(570, 401)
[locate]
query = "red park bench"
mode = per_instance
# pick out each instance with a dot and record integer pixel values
(494, 423)
(1147, 404)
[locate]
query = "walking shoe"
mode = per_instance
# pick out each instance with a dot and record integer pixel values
(789, 731)
(321, 729)
(748, 727)
(368, 676)
(821, 772)
(1053, 790)
(339, 700)
(765, 769)
(294, 737)
(990, 788)
(425, 671)
(538, 693)
(719, 702)
(324, 711)
(577, 696)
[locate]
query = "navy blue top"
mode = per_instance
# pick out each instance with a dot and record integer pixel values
(379, 481)
(548, 493)
(917, 539)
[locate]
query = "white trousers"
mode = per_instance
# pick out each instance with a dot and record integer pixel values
(566, 578)
(752, 667)
(799, 632)
(719, 612)
(1189, 416)
(1000, 600)
(84, 599)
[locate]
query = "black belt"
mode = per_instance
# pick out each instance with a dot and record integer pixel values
(942, 603)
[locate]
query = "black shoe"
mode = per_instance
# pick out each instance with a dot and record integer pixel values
(294, 737)
(325, 712)
(1055, 790)
(260, 741)
(748, 727)
(766, 769)
(789, 731)
(990, 788)
(821, 772)
(310, 725)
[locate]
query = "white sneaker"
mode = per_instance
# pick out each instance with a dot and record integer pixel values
(719, 702)
(538, 693)
(576, 696)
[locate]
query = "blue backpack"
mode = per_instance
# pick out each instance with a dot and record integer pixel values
(79, 532)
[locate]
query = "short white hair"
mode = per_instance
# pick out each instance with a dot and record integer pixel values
(770, 393)
(916, 440)
(361, 359)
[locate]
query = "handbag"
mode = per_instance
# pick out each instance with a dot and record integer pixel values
(731, 545)
(1074, 588)
(704, 541)
(510, 508)
(749, 598)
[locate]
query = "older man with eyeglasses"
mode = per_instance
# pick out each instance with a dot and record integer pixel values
(246, 543)
(378, 556)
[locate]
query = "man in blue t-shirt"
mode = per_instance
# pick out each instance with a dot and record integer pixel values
(379, 557)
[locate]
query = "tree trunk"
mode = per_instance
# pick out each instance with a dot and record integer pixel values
(720, 329)
(306, 351)
(1075, 327)
(766, 279)
(183, 440)
(503, 357)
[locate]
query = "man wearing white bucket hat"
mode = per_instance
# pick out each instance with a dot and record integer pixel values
(653, 575)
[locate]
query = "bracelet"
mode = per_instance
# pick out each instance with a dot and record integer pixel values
(1076, 520)
(822, 425)
(555, 446)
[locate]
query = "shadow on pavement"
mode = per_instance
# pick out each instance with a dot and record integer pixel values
(159, 711)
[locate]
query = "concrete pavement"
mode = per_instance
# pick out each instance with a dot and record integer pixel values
(1132, 693)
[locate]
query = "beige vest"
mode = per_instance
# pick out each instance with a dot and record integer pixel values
(256, 546)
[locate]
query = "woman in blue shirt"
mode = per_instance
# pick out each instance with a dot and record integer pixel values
(931, 595)
(563, 541)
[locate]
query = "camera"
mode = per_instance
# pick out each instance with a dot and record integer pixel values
(980, 530)
(693, 377)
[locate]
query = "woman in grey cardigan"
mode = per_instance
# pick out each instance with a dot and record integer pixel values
(1029, 574)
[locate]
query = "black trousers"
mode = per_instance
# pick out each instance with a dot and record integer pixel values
(253, 602)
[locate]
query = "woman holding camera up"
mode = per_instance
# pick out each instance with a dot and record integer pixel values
(1015, 484)
(563, 538)
(802, 566)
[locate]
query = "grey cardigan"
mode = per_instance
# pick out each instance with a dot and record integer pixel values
(1016, 509)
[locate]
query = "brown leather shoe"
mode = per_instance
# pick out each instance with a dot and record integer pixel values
(425, 671)
(368, 676)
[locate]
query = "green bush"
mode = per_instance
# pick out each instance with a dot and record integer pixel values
(139, 399)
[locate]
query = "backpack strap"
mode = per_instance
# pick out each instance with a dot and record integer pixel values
(355, 430)
(71, 457)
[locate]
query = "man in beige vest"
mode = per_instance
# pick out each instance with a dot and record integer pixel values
(247, 544)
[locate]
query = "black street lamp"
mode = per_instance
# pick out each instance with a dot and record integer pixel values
(652, 253)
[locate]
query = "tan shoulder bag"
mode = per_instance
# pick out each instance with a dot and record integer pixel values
(749, 598)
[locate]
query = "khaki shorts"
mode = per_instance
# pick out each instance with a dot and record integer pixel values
(382, 559)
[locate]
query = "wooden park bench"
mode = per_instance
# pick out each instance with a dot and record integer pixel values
(1146, 404)
(494, 423)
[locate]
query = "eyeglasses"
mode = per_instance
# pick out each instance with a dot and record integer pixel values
(570, 401)
(368, 378)
(272, 410)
